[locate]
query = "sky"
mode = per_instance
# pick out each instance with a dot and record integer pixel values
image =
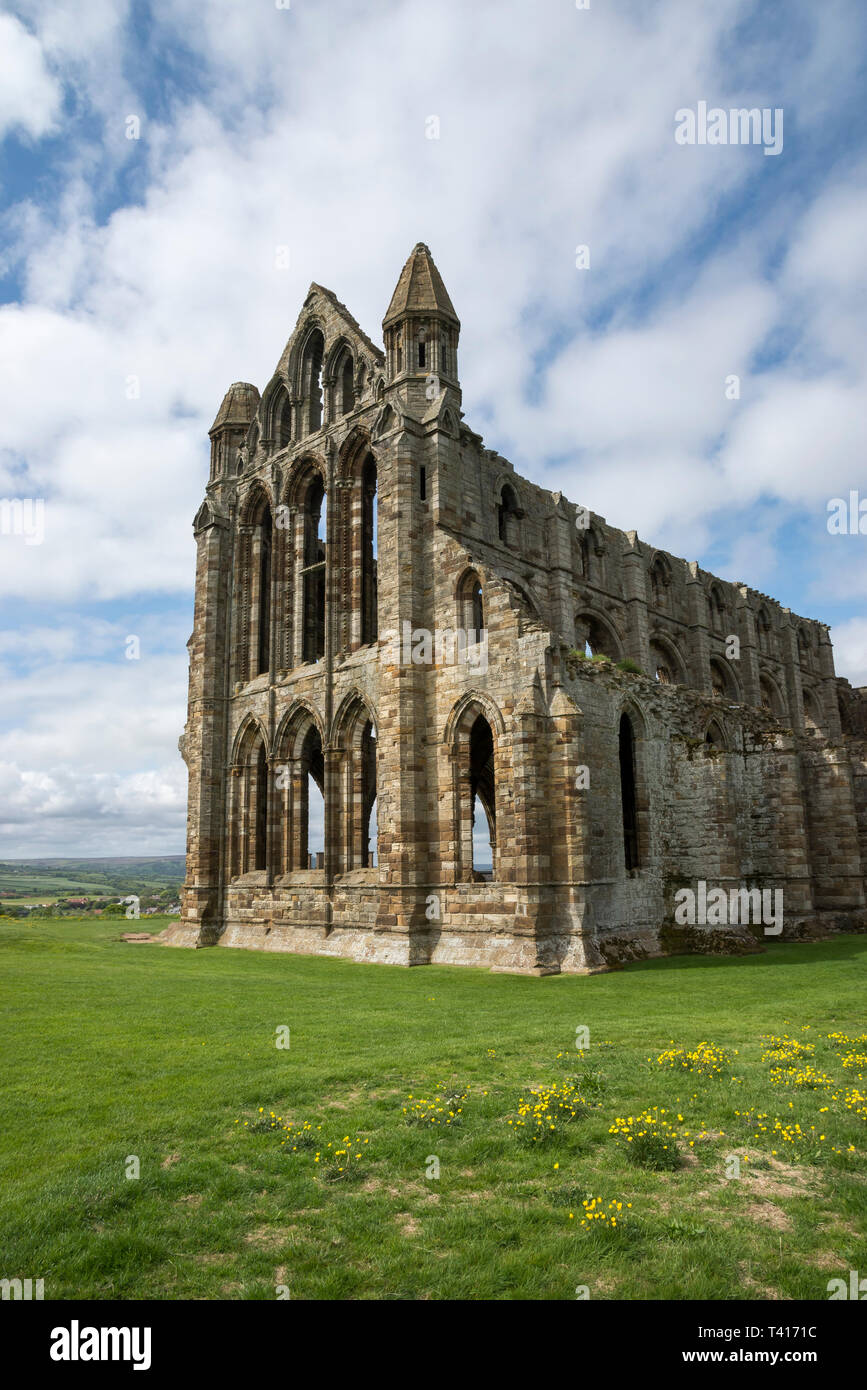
(160, 163)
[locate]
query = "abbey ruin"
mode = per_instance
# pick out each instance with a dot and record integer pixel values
(388, 618)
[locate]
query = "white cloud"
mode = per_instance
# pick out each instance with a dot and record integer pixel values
(30, 95)
(307, 128)
(88, 738)
(850, 650)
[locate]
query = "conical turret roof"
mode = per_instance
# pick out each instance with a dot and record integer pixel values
(240, 404)
(420, 289)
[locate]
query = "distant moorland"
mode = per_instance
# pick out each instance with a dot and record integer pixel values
(40, 885)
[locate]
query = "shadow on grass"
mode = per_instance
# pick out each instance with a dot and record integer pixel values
(845, 947)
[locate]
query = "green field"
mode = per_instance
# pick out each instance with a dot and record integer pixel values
(41, 880)
(114, 1050)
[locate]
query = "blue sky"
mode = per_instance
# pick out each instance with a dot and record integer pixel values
(259, 127)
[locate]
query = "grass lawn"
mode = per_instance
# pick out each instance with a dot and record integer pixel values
(112, 1050)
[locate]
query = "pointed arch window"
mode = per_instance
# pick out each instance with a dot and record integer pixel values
(628, 796)
(249, 807)
(279, 418)
(666, 663)
(508, 516)
(368, 552)
(770, 697)
(299, 821)
(722, 680)
(812, 713)
(594, 638)
(593, 556)
(263, 662)
(355, 812)
(483, 797)
(283, 423)
(260, 835)
(254, 585)
(313, 571)
(660, 578)
(477, 612)
(347, 384)
(368, 845)
(310, 843)
(311, 379)
(583, 556)
(471, 607)
(473, 745)
(763, 628)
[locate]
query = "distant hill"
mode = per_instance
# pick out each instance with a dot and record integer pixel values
(59, 877)
(150, 865)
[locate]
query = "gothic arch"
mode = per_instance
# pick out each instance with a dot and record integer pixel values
(715, 735)
(592, 549)
(525, 596)
(471, 604)
(254, 583)
(250, 731)
(717, 607)
(276, 414)
(667, 665)
(353, 750)
(356, 531)
(764, 632)
(293, 728)
(252, 505)
(509, 513)
(313, 323)
(595, 630)
(347, 713)
(771, 696)
(473, 731)
(300, 475)
(630, 739)
(251, 440)
(724, 682)
(386, 421)
(308, 378)
(639, 719)
(351, 456)
(813, 717)
(462, 709)
(302, 524)
(311, 551)
(659, 577)
(250, 801)
(207, 515)
(338, 373)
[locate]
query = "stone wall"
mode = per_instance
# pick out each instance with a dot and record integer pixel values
(742, 774)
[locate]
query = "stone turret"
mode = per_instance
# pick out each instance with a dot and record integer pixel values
(421, 331)
(230, 427)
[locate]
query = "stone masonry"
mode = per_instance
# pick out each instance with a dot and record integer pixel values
(388, 615)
